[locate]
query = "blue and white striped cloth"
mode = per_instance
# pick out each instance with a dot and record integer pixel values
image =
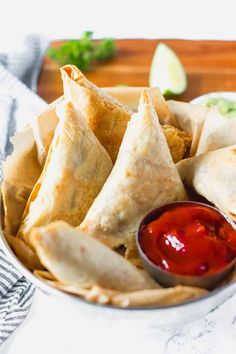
(15, 297)
(18, 104)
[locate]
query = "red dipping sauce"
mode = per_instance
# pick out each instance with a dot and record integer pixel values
(189, 240)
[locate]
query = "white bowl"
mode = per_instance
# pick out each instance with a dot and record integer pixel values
(224, 94)
(154, 317)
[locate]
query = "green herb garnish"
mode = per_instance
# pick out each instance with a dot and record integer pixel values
(83, 52)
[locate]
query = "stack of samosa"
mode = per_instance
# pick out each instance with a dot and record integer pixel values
(90, 167)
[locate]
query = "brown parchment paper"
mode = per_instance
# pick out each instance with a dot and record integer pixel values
(218, 132)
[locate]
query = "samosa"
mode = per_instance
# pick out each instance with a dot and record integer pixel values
(81, 261)
(24, 166)
(143, 178)
(76, 168)
(213, 175)
(105, 115)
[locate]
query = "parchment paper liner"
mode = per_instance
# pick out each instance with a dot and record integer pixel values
(217, 132)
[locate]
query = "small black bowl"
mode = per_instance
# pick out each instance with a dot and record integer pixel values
(169, 279)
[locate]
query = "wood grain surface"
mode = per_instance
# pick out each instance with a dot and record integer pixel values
(210, 66)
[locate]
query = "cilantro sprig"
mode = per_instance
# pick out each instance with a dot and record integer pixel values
(83, 52)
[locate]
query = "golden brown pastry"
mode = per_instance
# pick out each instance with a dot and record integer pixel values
(24, 166)
(44, 124)
(143, 178)
(81, 261)
(178, 141)
(76, 168)
(106, 116)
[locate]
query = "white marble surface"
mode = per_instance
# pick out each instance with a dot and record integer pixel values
(53, 327)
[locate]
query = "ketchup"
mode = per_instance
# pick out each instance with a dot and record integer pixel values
(189, 240)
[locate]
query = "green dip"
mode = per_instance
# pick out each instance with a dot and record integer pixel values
(226, 107)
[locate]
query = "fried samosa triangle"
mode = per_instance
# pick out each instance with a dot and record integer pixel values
(105, 115)
(213, 175)
(24, 166)
(82, 262)
(143, 178)
(76, 168)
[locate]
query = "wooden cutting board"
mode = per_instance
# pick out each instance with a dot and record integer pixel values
(210, 66)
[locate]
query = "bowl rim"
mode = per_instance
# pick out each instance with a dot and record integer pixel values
(48, 289)
(231, 95)
(43, 286)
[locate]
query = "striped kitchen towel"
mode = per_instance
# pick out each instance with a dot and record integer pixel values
(18, 104)
(15, 297)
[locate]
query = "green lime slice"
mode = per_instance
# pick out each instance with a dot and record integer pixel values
(167, 71)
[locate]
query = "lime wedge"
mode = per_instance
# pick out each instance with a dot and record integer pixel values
(167, 71)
